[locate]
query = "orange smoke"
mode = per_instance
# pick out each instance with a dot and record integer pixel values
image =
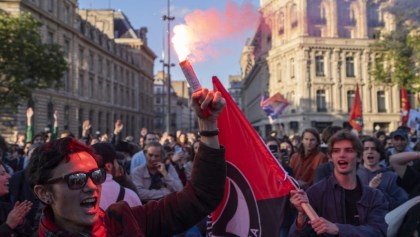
(202, 30)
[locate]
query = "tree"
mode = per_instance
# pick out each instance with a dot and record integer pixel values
(26, 63)
(399, 50)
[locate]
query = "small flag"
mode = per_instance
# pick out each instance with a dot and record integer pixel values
(274, 106)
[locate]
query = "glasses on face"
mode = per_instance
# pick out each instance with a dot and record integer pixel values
(78, 180)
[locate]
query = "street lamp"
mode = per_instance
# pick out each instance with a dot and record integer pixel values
(168, 18)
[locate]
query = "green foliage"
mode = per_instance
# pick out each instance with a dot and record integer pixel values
(400, 50)
(26, 63)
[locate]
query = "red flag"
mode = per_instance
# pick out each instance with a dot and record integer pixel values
(256, 187)
(405, 107)
(356, 114)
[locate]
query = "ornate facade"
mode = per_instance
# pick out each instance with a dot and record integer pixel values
(314, 52)
(110, 72)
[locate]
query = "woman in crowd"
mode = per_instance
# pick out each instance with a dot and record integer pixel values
(11, 217)
(307, 158)
(66, 178)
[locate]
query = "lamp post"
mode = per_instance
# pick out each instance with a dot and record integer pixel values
(168, 18)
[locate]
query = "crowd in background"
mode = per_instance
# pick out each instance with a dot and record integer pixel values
(159, 164)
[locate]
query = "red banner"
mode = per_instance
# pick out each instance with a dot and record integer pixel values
(256, 187)
(405, 107)
(356, 114)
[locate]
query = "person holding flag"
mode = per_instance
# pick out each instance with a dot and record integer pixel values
(345, 207)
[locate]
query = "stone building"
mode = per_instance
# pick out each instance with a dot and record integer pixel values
(182, 116)
(315, 52)
(235, 88)
(110, 69)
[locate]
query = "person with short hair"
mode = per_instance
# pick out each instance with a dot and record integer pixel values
(139, 158)
(345, 206)
(155, 179)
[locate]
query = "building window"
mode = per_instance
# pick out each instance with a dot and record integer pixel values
(66, 81)
(321, 104)
(91, 87)
(350, 99)
(66, 14)
(319, 66)
(81, 58)
(66, 48)
(349, 66)
(81, 84)
(381, 101)
(100, 66)
(281, 24)
(66, 117)
(292, 68)
(50, 37)
(50, 114)
(294, 17)
(50, 5)
(91, 61)
(279, 71)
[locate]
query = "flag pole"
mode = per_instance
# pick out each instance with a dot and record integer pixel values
(309, 211)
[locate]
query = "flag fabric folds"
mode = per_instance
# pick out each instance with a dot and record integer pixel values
(257, 187)
(405, 107)
(274, 106)
(356, 114)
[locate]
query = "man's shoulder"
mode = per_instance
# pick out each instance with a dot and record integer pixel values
(140, 171)
(138, 154)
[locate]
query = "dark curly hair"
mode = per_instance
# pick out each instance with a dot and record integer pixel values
(378, 146)
(47, 157)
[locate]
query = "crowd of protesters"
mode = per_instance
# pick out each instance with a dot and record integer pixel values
(358, 185)
(54, 184)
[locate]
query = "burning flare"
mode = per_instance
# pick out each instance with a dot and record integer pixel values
(181, 41)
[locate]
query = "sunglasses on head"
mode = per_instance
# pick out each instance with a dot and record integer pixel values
(78, 180)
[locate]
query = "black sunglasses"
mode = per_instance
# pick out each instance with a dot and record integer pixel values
(78, 180)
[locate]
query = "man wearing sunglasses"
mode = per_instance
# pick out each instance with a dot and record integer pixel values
(65, 176)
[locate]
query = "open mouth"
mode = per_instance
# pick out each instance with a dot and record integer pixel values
(342, 163)
(370, 158)
(89, 202)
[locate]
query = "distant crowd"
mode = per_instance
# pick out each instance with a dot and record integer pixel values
(358, 185)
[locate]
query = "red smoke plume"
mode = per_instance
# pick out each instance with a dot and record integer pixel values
(203, 30)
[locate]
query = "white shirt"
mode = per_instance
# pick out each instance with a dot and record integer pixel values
(142, 180)
(110, 191)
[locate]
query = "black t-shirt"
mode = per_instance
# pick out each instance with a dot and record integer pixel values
(351, 199)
